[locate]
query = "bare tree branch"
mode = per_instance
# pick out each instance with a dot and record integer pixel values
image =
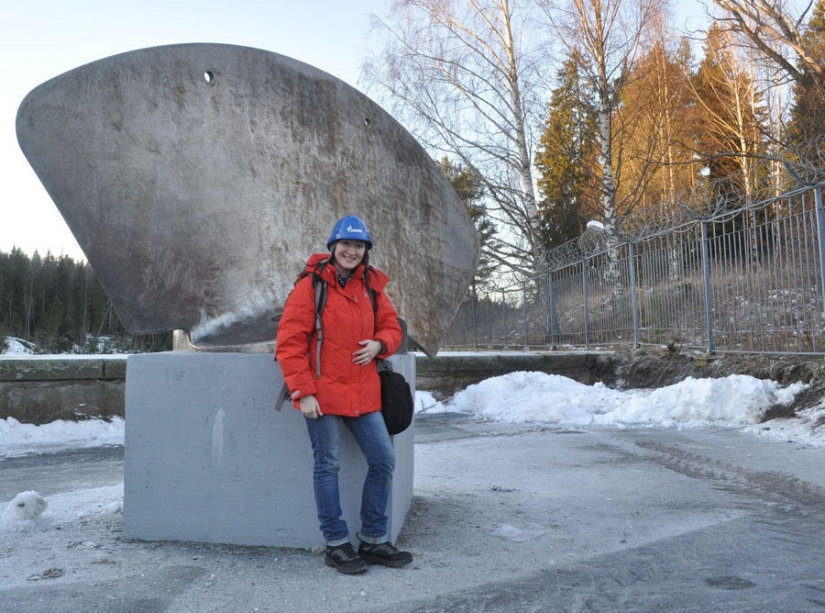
(457, 73)
(769, 26)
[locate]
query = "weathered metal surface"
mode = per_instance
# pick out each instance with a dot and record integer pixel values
(197, 178)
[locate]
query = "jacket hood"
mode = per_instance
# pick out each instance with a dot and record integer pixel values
(377, 278)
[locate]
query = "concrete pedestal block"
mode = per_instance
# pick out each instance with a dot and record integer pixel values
(209, 458)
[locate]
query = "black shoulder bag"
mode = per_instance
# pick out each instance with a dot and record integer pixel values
(397, 404)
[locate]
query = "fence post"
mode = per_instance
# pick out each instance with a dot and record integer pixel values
(475, 324)
(489, 323)
(585, 306)
(706, 278)
(504, 312)
(634, 303)
(820, 227)
(552, 306)
(524, 317)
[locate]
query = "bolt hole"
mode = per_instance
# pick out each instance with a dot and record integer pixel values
(208, 76)
(367, 121)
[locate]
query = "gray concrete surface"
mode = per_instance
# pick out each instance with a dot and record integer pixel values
(208, 457)
(506, 518)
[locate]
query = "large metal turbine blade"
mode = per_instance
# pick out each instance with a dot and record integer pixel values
(197, 179)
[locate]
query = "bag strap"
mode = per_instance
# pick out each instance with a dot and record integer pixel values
(282, 397)
(320, 302)
(371, 292)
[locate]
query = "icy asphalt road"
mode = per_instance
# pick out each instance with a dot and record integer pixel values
(509, 518)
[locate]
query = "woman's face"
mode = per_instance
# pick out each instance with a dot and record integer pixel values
(348, 254)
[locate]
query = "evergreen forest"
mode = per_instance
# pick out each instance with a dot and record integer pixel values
(58, 304)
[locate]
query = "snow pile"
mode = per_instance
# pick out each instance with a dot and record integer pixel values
(26, 505)
(17, 346)
(18, 439)
(735, 401)
(28, 509)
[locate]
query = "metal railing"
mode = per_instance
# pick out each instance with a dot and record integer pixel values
(747, 280)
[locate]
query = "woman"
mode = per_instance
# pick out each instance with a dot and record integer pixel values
(337, 383)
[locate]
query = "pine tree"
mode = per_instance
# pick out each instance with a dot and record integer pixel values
(17, 266)
(806, 131)
(470, 190)
(565, 159)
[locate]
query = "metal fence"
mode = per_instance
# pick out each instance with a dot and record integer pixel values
(749, 280)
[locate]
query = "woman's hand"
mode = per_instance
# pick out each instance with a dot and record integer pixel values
(310, 407)
(369, 349)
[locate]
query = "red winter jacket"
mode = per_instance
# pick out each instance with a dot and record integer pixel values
(347, 318)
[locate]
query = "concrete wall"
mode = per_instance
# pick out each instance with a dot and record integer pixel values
(448, 373)
(212, 456)
(42, 389)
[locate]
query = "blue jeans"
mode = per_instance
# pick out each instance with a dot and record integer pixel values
(372, 437)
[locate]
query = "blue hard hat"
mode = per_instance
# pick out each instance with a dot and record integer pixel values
(351, 228)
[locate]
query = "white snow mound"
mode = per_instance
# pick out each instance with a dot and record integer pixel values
(24, 506)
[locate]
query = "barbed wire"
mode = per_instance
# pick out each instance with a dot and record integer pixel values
(712, 200)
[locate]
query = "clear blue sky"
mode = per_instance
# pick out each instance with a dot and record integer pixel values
(40, 40)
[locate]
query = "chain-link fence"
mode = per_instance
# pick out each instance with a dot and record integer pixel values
(747, 280)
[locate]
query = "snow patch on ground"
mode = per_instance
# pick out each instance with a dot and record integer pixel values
(60, 509)
(18, 439)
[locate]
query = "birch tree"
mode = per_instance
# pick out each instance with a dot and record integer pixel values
(776, 28)
(787, 34)
(657, 107)
(608, 35)
(460, 75)
(733, 118)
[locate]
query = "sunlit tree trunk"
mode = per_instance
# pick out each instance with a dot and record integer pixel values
(608, 34)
